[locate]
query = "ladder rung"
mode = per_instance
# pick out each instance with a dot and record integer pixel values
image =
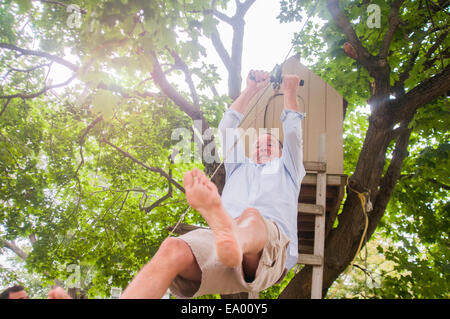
(308, 259)
(315, 166)
(310, 209)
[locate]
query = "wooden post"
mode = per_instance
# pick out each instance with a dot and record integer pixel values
(319, 231)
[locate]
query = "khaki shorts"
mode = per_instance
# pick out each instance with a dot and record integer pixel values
(219, 279)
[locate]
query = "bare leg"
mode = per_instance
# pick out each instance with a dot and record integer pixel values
(252, 224)
(237, 241)
(245, 236)
(173, 258)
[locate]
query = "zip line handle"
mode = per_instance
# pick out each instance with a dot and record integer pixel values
(276, 80)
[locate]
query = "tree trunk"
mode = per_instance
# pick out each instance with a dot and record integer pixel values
(342, 242)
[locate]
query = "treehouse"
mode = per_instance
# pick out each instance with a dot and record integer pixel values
(323, 186)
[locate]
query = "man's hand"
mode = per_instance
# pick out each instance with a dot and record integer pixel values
(289, 85)
(257, 80)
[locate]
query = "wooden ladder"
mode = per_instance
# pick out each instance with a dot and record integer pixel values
(316, 260)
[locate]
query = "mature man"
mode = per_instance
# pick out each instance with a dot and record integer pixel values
(252, 241)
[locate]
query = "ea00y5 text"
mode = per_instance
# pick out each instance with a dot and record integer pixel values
(246, 308)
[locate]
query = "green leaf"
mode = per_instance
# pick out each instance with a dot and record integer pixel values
(24, 5)
(104, 102)
(209, 25)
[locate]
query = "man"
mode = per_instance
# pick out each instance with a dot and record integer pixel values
(14, 292)
(252, 241)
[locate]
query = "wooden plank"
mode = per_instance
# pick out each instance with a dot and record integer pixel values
(316, 115)
(334, 127)
(315, 166)
(308, 259)
(310, 209)
(332, 180)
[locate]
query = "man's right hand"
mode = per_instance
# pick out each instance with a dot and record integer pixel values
(257, 80)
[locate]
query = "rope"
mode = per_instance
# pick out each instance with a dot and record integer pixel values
(362, 198)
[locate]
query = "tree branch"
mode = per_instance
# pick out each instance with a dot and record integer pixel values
(160, 79)
(391, 177)
(187, 75)
(394, 21)
(48, 56)
(398, 88)
(363, 56)
(233, 61)
(5, 106)
(368, 61)
(71, 66)
(30, 69)
(220, 49)
(162, 199)
(431, 180)
(40, 92)
(436, 45)
(152, 169)
(425, 92)
(242, 7)
(221, 16)
(16, 249)
(32, 238)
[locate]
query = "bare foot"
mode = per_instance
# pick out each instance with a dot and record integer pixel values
(58, 293)
(202, 195)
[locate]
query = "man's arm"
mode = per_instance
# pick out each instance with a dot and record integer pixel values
(232, 148)
(292, 154)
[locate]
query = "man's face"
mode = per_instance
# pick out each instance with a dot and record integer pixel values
(265, 149)
(18, 295)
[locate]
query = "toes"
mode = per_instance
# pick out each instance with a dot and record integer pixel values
(188, 179)
(196, 178)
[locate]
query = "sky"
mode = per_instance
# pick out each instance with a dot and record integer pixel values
(266, 43)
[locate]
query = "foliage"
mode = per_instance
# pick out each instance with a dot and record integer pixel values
(413, 235)
(64, 183)
(83, 200)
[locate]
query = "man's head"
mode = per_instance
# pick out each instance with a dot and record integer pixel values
(14, 292)
(266, 148)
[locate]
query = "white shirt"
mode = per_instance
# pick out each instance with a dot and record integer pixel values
(272, 188)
